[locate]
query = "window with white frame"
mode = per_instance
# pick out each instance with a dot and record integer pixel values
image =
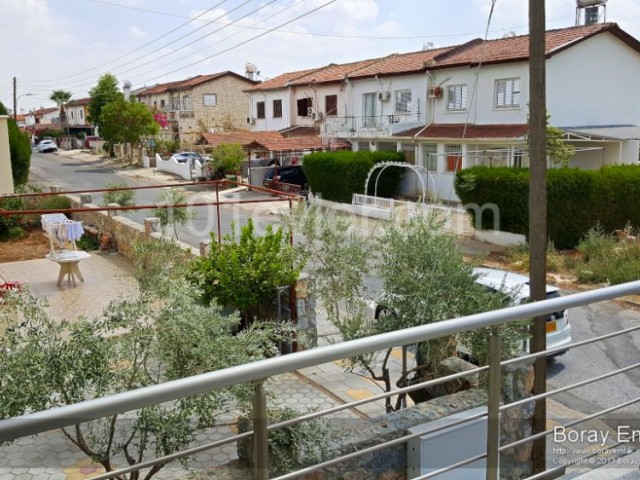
(403, 101)
(456, 97)
(81, 114)
(454, 157)
(430, 152)
(209, 99)
(186, 102)
(507, 93)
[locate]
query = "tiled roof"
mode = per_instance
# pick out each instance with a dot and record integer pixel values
(44, 111)
(512, 49)
(491, 51)
(300, 131)
(79, 101)
(273, 141)
(470, 131)
(187, 84)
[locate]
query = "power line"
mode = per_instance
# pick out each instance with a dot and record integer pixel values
(244, 42)
(230, 36)
(138, 48)
(330, 35)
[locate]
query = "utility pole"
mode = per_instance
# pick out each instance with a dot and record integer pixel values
(15, 99)
(538, 216)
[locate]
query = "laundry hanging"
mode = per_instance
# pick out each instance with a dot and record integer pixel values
(59, 228)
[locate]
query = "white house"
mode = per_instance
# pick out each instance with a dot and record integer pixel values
(456, 107)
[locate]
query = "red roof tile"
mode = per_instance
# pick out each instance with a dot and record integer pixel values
(470, 131)
(512, 49)
(188, 83)
(273, 141)
(79, 101)
(491, 51)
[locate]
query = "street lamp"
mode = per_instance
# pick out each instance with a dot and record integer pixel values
(15, 104)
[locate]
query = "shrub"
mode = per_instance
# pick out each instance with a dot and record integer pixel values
(577, 199)
(20, 151)
(121, 197)
(337, 176)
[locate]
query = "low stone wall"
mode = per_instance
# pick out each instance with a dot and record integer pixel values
(124, 232)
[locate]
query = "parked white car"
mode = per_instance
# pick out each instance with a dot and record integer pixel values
(515, 286)
(47, 146)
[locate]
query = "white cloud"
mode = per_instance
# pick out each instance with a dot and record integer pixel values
(137, 32)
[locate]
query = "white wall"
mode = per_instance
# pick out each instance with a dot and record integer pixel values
(269, 122)
(481, 101)
(418, 84)
(6, 179)
(594, 83)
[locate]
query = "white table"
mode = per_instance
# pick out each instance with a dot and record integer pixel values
(68, 261)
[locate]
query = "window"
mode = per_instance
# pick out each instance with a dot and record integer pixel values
(277, 108)
(209, 99)
(81, 114)
(457, 97)
(260, 109)
(454, 157)
(331, 105)
(508, 93)
(409, 153)
(431, 156)
(71, 112)
(186, 102)
(403, 101)
(176, 103)
(304, 104)
(162, 104)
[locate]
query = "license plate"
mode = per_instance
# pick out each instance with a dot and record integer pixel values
(550, 326)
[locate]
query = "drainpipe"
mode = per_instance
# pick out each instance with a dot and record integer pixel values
(432, 81)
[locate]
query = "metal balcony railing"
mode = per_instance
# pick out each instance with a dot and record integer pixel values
(373, 126)
(258, 372)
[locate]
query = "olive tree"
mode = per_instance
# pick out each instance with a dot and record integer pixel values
(159, 334)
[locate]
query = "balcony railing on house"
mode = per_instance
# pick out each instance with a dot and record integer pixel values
(180, 114)
(372, 126)
(257, 372)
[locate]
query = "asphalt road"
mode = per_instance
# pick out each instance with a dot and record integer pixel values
(73, 174)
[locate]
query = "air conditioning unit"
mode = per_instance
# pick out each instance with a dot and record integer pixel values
(384, 96)
(315, 115)
(311, 112)
(251, 120)
(435, 92)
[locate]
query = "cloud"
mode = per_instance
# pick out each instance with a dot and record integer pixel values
(137, 32)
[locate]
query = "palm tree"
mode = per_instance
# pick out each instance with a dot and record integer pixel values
(61, 97)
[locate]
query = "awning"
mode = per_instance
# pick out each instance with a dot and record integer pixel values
(610, 132)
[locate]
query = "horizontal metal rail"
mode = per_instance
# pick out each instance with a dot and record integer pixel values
(16, 427)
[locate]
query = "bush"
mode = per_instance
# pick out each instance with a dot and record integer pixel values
(121, 197)
(20, 151)
(577, 199)
(336, 176)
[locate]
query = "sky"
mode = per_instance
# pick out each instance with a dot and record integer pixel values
(68, 44)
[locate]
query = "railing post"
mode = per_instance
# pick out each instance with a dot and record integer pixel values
(493, 430)
(260, 435)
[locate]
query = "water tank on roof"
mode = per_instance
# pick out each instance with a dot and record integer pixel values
(589, 3)
(591, 10)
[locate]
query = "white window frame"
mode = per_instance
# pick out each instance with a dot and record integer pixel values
(209, 99)
(507, 93)
(403, 106)
(457, 98)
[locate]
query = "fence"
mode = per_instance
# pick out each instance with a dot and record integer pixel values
(257, 372)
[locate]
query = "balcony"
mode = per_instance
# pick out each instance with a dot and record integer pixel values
(370, 457)
(368, 127)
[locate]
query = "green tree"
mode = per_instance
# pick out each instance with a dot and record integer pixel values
(126, 122)
(245, 271)
(228, 157)
(141, 341)
(19, 150)
(61, 98)
(172, 215)
(558, 151)
(105, 92)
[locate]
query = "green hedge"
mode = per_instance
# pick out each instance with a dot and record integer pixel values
(20, 151)
(576, 199)
(336, 176)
